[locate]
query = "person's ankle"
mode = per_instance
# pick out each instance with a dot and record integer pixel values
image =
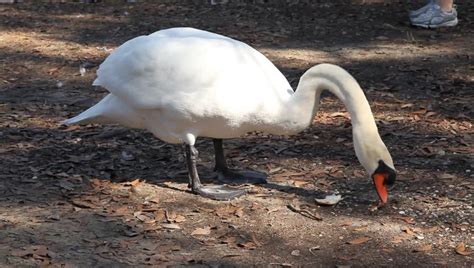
(447, 10)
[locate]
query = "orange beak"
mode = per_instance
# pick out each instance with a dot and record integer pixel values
(382, 191)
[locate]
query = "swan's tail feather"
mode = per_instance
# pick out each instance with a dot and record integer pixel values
(110, 109)
(88, 116)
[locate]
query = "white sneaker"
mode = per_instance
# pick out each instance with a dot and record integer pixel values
(435, 17)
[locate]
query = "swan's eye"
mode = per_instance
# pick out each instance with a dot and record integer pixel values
(388, 172)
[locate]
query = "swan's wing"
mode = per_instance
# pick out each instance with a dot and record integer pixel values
(184, 68)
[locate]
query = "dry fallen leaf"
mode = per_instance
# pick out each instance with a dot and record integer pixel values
(425, 248)
(228, 211)
(461, 250)
(239, 212)
(299, 183)
(173, 217)
(361, 228)
(346, 223)
(248, 245)
(202, 231)
(408, 231)
(82, 204)
(135, 186)
(359, 240)
(255, 240)
(229, 240)
(122, 211)
(398, 239)
(428, 114)
(231, 255)
(345, 258)
(408, 220)
(72, 128)
(52, 70)
(154, 199)
(155, 260)
(171, 226)
(359, 173)
(273, 209)
(135, 182)
(179, 218)
(340, 114)
(255, 206)
(431, 229)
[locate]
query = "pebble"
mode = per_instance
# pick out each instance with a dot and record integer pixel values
(127, 156)
(401, 212)
(295, 252)
(82, 70)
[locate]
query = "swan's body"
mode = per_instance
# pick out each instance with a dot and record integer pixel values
(184, 83)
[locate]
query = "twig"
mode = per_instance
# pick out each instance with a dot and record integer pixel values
(305, 213)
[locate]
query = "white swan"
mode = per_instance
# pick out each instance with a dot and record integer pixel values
(184, 83)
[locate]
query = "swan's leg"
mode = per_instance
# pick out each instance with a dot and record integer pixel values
(228, 175)
(217, 192)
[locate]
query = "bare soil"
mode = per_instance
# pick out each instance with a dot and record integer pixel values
(107, 196)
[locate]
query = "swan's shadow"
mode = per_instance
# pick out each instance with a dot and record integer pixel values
(211, 178)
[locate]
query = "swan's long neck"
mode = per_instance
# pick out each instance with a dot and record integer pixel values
(301, 108)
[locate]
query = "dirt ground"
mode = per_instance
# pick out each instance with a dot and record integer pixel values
(107, 196)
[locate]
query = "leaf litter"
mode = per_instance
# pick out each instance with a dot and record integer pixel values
(414, 102)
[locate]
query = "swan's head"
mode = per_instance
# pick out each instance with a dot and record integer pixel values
(375, 158)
